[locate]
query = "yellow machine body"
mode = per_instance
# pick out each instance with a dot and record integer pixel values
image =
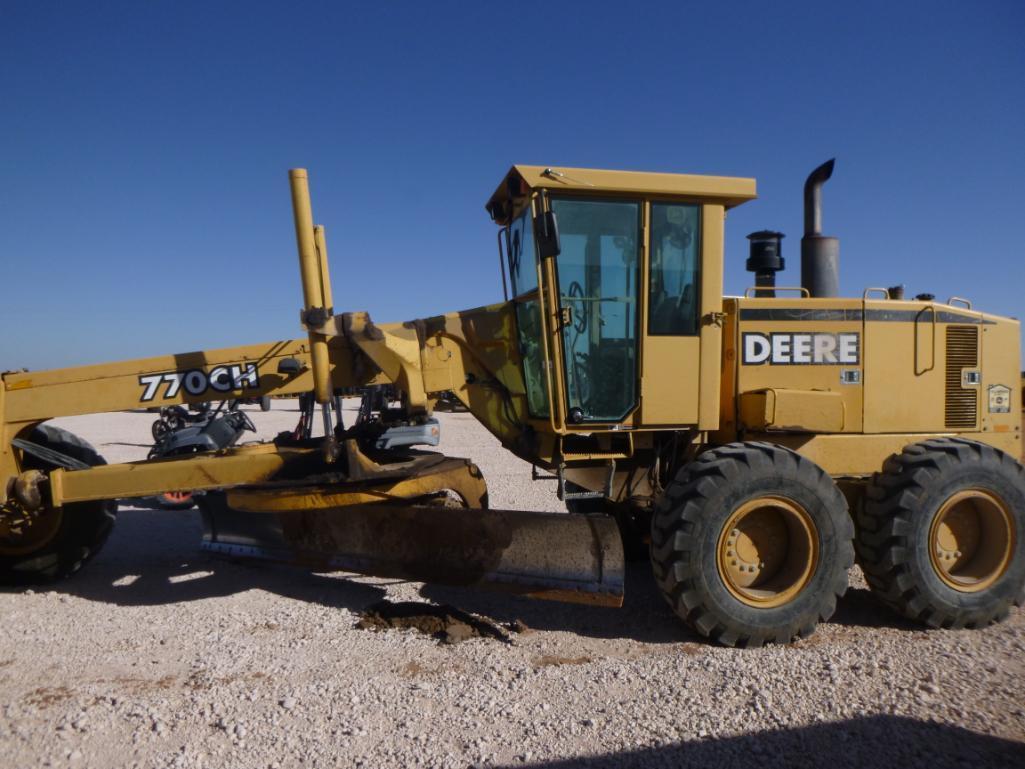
(614, 358)
(845, 381)
(848, 382)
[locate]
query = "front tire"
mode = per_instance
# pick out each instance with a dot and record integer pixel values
(941, 537)
(751, 543)
(58, 541)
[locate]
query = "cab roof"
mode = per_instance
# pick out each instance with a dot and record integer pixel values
(730, 191)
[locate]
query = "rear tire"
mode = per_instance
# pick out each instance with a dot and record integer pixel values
(751, 543)
(76, 531)
(941, 537)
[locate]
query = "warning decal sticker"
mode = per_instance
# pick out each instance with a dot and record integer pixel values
(999, 399)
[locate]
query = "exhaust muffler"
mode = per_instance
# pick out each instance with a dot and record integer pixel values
(820, 254)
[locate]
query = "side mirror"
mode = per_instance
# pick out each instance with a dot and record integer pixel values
(546, 231)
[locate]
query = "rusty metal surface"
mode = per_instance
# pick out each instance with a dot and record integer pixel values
(563, 557)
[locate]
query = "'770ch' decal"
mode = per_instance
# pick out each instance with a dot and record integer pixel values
(222, 379)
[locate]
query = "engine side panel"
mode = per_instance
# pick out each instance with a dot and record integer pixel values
(849, 381)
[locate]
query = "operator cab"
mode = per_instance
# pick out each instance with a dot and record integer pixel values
(608, 269)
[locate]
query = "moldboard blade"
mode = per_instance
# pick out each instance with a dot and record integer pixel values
(555, 556)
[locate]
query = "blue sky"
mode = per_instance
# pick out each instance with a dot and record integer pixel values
(144, 149)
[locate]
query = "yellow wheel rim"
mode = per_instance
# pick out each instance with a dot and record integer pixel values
(23, 533)
(971, 539)
(767, 551)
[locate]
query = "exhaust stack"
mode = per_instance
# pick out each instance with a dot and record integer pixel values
(820, 254)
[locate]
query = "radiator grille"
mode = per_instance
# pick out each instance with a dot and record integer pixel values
(962, 404)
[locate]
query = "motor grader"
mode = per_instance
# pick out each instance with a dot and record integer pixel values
(753, 446)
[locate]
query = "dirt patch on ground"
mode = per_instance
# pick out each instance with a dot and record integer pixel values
(139, 685)
(413, 670)
(200, 680)
(446, 623)
(46, 696)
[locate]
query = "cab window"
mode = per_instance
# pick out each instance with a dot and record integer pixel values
(522, 259)
(597, 284)
(522, 264)
(674, 282)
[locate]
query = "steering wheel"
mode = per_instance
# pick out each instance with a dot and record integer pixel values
(576, 294)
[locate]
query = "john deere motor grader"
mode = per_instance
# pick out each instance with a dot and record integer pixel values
(754, 444)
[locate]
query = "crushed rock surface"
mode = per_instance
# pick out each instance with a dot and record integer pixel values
(157, 655)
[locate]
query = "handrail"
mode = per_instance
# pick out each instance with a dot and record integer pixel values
(623, 299)
(867, 291)
(967, 303)
(919, 370)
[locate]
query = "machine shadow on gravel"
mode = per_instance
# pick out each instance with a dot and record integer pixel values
(153, 559)
(644, 616)
(859, 608)
(880, 740)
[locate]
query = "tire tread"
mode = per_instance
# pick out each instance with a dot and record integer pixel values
(682, 507)
(81, 535)
(886, 523)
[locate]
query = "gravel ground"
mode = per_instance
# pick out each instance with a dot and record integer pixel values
(157, 655)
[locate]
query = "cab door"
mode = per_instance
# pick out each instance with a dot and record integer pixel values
(682, 342)
(597, 286)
